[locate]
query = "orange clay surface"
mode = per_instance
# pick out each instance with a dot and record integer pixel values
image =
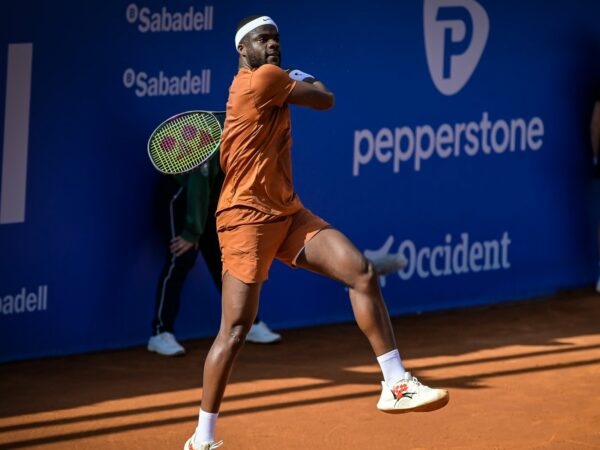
(522, 375)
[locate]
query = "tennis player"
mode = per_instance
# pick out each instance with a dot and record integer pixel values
(260, 218)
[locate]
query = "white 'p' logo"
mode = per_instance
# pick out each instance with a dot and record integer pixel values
(456, 32)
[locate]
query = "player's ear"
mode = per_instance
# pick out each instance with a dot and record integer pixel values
(241, 48)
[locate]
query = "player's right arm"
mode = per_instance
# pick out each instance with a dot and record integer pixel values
(313, 95)
(274, 86)
(309, 91)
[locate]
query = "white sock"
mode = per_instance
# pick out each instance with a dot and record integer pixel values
(205, 431)
(391, 367)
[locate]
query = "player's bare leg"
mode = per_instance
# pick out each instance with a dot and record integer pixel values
(332, 254)
(239, 309)
(240, 306)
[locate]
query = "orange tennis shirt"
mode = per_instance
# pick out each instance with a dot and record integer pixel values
(256, 146)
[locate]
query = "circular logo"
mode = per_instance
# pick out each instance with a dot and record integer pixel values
(168, 143)
(189, 132)
(129, 78)
(132, 13)
(205, 138)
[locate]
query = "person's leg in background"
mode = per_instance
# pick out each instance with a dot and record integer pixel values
(596, 218)
(172, 204)
(594, 213)
(598, 237)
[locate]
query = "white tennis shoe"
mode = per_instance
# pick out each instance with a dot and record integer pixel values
(208, 445)
(165, 344)
(409, 395)
(261, 334)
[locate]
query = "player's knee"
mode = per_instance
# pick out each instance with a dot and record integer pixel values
(228, 343)
(366, 277)
(237, 335)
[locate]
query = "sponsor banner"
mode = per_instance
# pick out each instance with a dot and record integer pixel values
(161, 84)
(450, 258)
(164, 20)
(25, 302)
(458, 140)
(415, 146)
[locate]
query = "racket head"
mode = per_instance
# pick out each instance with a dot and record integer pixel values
(184, 142)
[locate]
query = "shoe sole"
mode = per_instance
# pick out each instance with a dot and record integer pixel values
(427, 407)
(252, 341)
(152, 350)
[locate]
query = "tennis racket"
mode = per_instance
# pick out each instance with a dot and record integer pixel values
(184, 142)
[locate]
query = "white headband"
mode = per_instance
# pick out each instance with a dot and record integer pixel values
(258, 22)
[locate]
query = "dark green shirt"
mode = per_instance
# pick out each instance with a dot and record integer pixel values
(203, 187)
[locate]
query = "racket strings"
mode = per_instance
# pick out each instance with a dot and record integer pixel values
(183, 143)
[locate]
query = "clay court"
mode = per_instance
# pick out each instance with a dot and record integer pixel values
(521, 375)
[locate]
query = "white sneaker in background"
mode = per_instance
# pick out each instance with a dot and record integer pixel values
(165, 344)
(598, 285)
(387, 264)
(261, 334)
(410, 395)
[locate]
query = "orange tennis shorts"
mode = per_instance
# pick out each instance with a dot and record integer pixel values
(249, 247)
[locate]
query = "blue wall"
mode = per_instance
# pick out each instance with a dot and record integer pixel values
(459, 138)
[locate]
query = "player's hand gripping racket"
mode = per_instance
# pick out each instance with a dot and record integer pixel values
(184, 142)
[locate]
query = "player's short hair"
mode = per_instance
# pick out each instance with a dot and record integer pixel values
(246, 20)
